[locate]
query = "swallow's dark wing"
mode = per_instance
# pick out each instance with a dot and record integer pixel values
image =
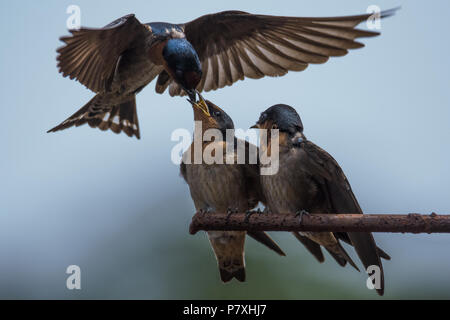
(233, 45)
(91, 55)
(339, 194)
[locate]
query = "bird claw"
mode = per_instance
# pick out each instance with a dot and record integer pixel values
(205, 211)
(300, 215)
(248, 214)
(230, 212)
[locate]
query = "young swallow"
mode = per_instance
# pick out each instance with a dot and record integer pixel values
(224, 187)
(309, 180)
(211, 52)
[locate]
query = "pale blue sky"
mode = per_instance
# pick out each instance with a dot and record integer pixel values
(69, 198)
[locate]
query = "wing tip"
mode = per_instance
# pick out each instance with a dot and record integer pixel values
(390, 12)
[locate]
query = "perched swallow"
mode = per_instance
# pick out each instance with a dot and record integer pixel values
(224, 188)
(208, 53)
(309, 180)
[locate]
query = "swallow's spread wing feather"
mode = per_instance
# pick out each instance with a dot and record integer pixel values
(91, 55)
(233, 45)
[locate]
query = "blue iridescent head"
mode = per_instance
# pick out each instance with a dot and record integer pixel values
(183, 62)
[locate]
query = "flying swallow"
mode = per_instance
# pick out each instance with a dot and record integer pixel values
(309, 180)
(224, 187)
(208, 53)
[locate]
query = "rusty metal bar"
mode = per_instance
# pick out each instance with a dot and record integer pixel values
(409, 223)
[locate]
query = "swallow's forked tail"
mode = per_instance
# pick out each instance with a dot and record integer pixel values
(369, 254)
(99, 113)
(313, 247)
(333, 246)
(228, 247)
(266, 240)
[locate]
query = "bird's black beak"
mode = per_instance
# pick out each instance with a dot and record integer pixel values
(256, 126)
(192, 94)
(201, 104)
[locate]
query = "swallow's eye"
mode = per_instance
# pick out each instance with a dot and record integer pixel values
(217, 113)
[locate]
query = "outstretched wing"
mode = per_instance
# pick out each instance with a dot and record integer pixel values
(91, 55)
(233, 45)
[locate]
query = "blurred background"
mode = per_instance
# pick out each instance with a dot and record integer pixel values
(118, 208)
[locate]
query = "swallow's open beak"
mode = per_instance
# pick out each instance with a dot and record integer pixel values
(201, 104)
(192, 94)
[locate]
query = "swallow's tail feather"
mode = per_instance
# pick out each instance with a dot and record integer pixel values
(383, 254)
(228, 247)
(226, 275)
(368, 252)
(266, 240)
(340, 261)
(344, 237)
(313, 247)
(340, 255)
(338, 252)
(99, 113)
(332, 244)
